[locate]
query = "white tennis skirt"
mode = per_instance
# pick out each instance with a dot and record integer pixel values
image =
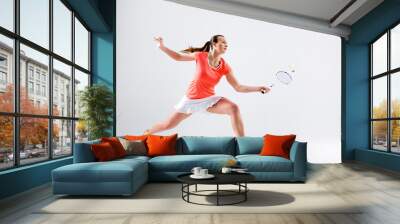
(190, 106)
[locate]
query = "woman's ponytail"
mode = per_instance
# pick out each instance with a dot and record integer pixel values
(206, 47)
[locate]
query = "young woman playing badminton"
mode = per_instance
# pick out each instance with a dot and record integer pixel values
(200, 97)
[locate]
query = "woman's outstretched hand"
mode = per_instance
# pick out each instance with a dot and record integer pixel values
(264, 89)
(160, 41)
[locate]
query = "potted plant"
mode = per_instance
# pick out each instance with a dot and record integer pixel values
(96, 102)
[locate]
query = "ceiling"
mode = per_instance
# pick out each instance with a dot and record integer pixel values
(326, 16)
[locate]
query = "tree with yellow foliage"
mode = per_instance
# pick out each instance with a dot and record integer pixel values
(33, 130)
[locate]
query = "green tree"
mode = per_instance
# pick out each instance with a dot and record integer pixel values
(97, 103)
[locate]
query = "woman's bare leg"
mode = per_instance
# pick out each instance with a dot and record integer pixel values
(171, 122)
(225, 106)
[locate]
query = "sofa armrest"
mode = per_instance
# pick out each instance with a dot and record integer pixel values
(83, 152)
(298, 155)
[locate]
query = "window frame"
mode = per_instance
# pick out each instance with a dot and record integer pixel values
(16, 114)
(388, 74)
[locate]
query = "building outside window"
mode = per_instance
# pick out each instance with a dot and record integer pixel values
(37, 75)
(3, 61)
(3, 72)
(30, 87)
(3, 78)
(30, 72)
(43, 77)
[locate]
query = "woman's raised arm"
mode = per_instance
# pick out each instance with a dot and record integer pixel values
(173, 54)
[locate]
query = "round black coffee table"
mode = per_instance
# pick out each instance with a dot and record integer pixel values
(238, 179)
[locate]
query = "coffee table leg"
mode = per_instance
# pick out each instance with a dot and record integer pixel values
(245, 193)
(188, 189)
(217, 194)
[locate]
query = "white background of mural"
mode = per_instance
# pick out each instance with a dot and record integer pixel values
(149, 83)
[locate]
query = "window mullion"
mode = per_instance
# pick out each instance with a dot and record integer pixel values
(50, 87)
(16, 84)
(389, 106)
(371, 98)
(73, 82)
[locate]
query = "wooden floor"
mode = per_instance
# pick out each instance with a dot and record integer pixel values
(377, 188)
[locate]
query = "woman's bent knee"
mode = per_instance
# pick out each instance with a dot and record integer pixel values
(234, 109)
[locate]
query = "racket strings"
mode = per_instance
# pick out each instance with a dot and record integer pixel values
(284, 77)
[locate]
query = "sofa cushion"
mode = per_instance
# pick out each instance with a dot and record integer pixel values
(103, 151)
(134, 147)
(133, 158)
(111, 171)
(136, 137)
(277, 145)
(161, 145)
(116, 145)
(185, 163)
(196, 145)
(257, 163)
(249, 145)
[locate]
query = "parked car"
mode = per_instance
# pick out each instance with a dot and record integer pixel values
(57, 152)
(22, 155)
(10, 156)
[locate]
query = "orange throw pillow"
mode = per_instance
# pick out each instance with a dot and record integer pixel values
(116, 145)
(161, 145)
(136, 137)
(103, 151)
(277, 145)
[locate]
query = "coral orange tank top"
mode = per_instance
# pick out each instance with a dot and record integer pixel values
(206, 77)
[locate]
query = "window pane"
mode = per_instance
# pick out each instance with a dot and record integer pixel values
(81, 81)
(62, 89)
(379, 135)
(33, 140)
(81, 131)
(395, 47)
(35, 21)
(81, 45)
(62, 137)
(6, 142)
(395, 94)
(7, 14)
(379, 87)
(379, 55)
(6, 74)
(34, 76)
(62, 29)
(395, 136)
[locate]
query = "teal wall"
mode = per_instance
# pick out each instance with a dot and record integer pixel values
(99, 16)
(24, 178)
(356, 124)
(103, 52)
(103, 64)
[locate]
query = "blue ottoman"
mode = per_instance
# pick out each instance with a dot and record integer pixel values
(118, 177)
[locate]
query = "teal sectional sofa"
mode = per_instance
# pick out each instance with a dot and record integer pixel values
(125, 176)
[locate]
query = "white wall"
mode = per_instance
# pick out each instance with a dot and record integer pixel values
(149, 83)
